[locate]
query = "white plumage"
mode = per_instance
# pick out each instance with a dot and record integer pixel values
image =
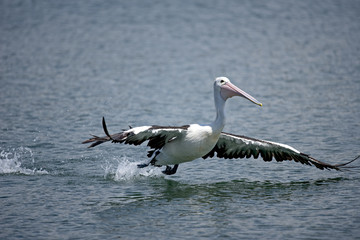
(193, 144)
(175, 145)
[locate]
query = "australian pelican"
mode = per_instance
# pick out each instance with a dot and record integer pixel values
(175, 145)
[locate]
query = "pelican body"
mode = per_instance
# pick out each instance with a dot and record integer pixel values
(175, 145)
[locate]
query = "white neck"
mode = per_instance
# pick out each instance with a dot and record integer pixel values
(219, 122)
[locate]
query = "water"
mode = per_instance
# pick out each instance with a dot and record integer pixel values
(65, 64)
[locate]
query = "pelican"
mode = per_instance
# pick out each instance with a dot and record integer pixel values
(170, 146)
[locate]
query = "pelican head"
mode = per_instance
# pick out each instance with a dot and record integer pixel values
(227, 90)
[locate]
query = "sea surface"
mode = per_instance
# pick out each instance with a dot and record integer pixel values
(66, 64)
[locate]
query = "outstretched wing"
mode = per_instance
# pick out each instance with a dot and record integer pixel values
(157, 136)
(234, 146)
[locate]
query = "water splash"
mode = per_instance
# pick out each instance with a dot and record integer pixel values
(127, 170)
(11, 161)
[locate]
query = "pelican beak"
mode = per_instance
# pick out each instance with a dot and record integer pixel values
(229, 90)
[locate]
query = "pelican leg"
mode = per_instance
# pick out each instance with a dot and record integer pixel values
(169, 170)
(152, 162)
(143, 165)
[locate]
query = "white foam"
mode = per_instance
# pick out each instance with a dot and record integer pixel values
(127, 170)
(11, 161)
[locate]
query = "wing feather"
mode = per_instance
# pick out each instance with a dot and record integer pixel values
(157, 136)
(228, 145)
(235, 146)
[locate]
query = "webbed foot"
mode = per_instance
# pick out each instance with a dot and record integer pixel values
(169, 170)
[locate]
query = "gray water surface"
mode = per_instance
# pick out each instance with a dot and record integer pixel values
(66, 64)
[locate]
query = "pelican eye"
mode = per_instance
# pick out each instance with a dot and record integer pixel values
(222, 81)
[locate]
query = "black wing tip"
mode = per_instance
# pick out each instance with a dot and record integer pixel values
(338, 167)
(94, 137)
(87, 141)
(95, 144)
(90, 140)
(345, 165)
(95, 140)
(105, 128)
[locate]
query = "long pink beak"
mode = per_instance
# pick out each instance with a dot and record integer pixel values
(229, 90)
